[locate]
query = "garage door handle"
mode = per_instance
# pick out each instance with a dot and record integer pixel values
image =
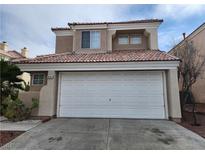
(110, 99)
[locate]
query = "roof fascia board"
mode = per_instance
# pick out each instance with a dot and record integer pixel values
(160, 65)
(100, 26)
(64, 33)
(133, 26)
(123, 26)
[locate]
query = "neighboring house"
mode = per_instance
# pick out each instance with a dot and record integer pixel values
(10, 55)
(106, 70)
(7, 54)
(197, 37)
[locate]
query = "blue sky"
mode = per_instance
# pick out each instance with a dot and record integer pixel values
(29, 25)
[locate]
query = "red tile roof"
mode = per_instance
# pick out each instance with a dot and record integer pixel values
(120, 22)
(16, 55)
(98, 23)
(12, 54)
(115, 56)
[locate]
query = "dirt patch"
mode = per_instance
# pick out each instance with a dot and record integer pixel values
(188, 121)
(7, 136)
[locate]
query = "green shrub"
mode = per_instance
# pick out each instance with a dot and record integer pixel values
(15, 109)
(10, 83)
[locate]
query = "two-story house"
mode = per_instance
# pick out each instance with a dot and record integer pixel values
(106, 70)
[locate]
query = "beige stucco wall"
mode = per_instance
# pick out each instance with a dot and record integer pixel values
(117, 46)
(26, 97)
(198, 39)
(174, 108)
(109, 40)
(199, 87)
(152, 35)
(64, 44)
(48, 96)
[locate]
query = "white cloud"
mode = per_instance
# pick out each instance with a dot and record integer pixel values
(178, 12)
(168, 39)
(29, 25)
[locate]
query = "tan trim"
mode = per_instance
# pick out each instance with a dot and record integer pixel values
(165, 94)
(59, 93)
(156, 65)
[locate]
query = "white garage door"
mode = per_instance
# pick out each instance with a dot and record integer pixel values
(120, 94)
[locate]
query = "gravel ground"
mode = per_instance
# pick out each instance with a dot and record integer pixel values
(7, 136)
(188, 121)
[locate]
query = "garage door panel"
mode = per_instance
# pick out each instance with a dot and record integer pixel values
(110, 107)
(130, 94)
(114, 100)
(103, 90)
(114, 113)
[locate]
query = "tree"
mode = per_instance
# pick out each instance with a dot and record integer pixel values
(10, 81)
(190, 69)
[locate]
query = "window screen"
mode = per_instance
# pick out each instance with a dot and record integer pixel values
(94, 39)
(135, 39)
(123, 40)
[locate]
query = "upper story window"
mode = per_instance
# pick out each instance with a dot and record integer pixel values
(91, 39)
(134, 39)
(129, 39)
(123, 40)
(38, 79)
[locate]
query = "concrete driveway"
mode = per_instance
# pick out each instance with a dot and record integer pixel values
(107, 134)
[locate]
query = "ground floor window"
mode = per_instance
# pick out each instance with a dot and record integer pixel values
(38, 79)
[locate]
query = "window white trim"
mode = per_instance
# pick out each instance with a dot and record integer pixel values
(32, 79)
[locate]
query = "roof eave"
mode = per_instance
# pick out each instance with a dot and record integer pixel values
(122, 22)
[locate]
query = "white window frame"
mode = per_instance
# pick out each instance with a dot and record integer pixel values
(38, 74)
(91, 39)
(140, 41)
(121, 36)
